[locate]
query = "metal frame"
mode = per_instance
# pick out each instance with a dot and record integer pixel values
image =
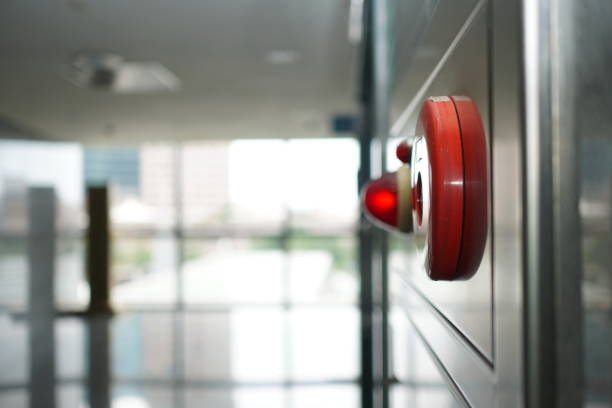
(499, 382)
(537, 318)
(373, 243)
(365, 233)
(540, 366)
(553, 368)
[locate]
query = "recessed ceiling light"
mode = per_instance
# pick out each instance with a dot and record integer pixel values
(281, 57)
(112, 72)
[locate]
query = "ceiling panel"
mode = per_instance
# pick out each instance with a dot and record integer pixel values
(217, 48)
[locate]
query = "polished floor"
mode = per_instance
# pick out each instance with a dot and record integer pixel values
(252, 357)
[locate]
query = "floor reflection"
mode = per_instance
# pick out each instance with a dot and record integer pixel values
(236, 358)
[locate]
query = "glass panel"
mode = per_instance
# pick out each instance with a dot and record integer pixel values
(322, 269)
(157, 193)
(321, 183)
(123, 396)
(71, 396)
(142, 345)
(71, 286)
(256, 180)
(240, 183)
(324, 343)
(13, 272)
(15, 178)
(142, 181)
(144, 271)
(137, 396)
(14, 399)
(70, 349)
(239, 397)
(228, 184)
(232, 271)
(241, 345)
(205, 184)
(14, 351)
(336, 396)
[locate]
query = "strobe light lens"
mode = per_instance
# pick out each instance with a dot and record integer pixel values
(380, 198)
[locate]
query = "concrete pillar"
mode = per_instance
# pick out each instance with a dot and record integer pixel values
(41, 260)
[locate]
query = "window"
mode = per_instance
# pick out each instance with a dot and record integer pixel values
(233, 222)
(234, 261)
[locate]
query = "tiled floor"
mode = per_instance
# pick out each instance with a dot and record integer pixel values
(240, 358)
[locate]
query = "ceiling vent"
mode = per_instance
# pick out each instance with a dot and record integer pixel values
(113, 73)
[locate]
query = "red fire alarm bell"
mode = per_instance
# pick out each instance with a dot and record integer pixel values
(448, 189)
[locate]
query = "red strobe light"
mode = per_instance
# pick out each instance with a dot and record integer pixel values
(380, 200)
(387, 200)
(445, 192)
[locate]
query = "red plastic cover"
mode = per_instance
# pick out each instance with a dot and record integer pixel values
(449, 182)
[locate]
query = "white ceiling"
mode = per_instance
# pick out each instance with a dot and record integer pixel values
(217, 48)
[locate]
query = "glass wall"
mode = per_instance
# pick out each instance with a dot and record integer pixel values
(241, 222)
(233, 264)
